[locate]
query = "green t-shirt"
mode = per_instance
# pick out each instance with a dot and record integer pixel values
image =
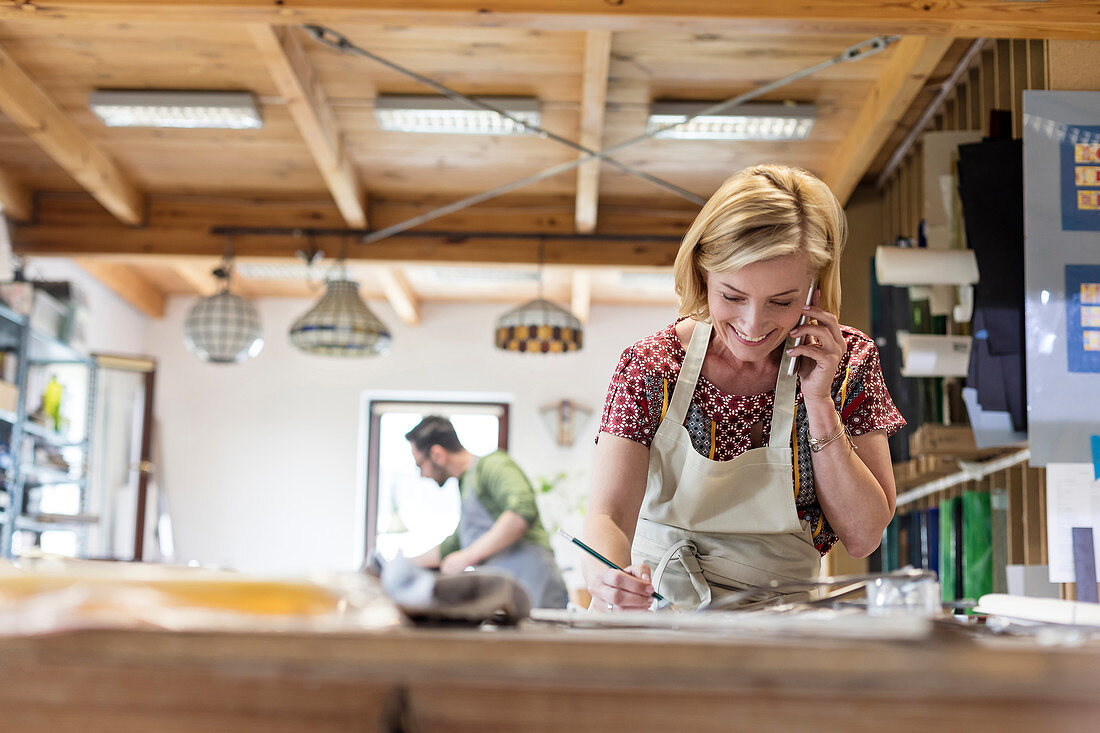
(500, 485)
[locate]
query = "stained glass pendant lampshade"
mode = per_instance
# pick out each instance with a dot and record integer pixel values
(539, 327)
(341, 324)
(223, 328)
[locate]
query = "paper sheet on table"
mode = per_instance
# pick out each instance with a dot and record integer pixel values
(1073, 500)
(784, 622)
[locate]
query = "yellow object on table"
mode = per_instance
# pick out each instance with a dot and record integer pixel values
(44, 595)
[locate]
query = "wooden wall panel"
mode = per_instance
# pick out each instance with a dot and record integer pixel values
(1015, 486)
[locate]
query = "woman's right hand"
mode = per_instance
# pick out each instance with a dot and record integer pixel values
(627, 590)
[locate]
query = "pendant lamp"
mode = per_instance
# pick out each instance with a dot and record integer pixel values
(539, 326)
(223, 328)
(341, 324)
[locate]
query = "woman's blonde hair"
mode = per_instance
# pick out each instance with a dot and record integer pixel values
(763, 212)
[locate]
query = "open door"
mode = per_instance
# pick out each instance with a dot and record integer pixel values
(122, 461)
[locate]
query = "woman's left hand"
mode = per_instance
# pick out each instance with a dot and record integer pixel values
(822, 347)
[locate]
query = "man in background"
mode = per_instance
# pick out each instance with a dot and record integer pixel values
(499, 524)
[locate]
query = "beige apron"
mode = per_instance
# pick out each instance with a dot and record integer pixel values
(708, 528)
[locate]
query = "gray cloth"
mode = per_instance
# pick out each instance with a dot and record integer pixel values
(471, 597)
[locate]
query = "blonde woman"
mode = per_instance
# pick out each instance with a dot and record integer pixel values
(718, 466)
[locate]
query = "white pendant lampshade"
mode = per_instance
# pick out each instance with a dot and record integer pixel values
(341, 324)
(223, 328)
(539, 327)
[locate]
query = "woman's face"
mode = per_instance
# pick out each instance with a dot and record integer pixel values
(753, 309)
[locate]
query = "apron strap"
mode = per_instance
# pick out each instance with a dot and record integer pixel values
(687, 553)
(689, 373)
(783, 406)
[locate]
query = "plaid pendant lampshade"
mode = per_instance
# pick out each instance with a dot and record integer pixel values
(539, 327)
(223, 329)
(341, 324)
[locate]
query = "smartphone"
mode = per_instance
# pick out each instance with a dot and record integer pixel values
(801, 321)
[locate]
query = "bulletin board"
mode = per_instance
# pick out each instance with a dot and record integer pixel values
(1083, 318)
(1062, 277)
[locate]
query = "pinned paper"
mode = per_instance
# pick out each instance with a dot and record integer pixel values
(1084, 564)
(1073, 500)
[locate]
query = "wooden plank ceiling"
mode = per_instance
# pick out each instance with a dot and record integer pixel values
(138, 207)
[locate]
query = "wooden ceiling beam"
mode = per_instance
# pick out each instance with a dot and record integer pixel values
(403, 299)
(16, 200)
(127, 283)
(644, 218)
(286, 60)
(198, 273)
(960, 18)
(29, 107)
(581, 295)
(181, 226)
(597, 62)
(69, 240)
(912, 61)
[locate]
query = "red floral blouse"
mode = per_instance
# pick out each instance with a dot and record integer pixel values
(719, 424)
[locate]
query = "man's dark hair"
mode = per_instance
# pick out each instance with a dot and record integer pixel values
(434, 430)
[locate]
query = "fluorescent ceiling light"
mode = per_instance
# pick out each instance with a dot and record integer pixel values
(168, 108)
(473, 276)
(768, 122)
(276, 271)
(648, 280)
(415, 113)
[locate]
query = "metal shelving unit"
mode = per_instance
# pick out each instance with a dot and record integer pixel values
(51, 437)
(35, 349)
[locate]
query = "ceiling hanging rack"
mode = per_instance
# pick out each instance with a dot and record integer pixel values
(340, 42)
(331, 38)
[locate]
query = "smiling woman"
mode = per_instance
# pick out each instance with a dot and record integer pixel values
(753, 310)
(719, 466)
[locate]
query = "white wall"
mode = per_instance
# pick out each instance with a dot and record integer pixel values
(260, 459)
(115, 327)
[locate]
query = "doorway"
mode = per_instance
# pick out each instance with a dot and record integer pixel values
(405, 512)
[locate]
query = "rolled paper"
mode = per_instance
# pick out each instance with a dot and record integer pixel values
(927, 355)
(923, 266)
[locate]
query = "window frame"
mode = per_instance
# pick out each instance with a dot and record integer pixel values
(374, 429)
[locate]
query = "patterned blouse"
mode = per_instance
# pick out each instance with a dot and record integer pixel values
(719, 424)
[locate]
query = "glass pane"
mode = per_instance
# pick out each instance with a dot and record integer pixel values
(415, 513)
(59, 542)
(54, 499)
(64, 542)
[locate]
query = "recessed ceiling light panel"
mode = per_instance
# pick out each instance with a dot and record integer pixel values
(417, 113)
(474, 276)
(763, 122)
(172, 108)
(648, 280)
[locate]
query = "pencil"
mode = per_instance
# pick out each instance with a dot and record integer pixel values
(603, 559)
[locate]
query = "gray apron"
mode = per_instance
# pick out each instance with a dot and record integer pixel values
(710, 528)
(531, 564)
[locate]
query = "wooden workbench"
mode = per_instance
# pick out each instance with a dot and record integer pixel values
(539, 679)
